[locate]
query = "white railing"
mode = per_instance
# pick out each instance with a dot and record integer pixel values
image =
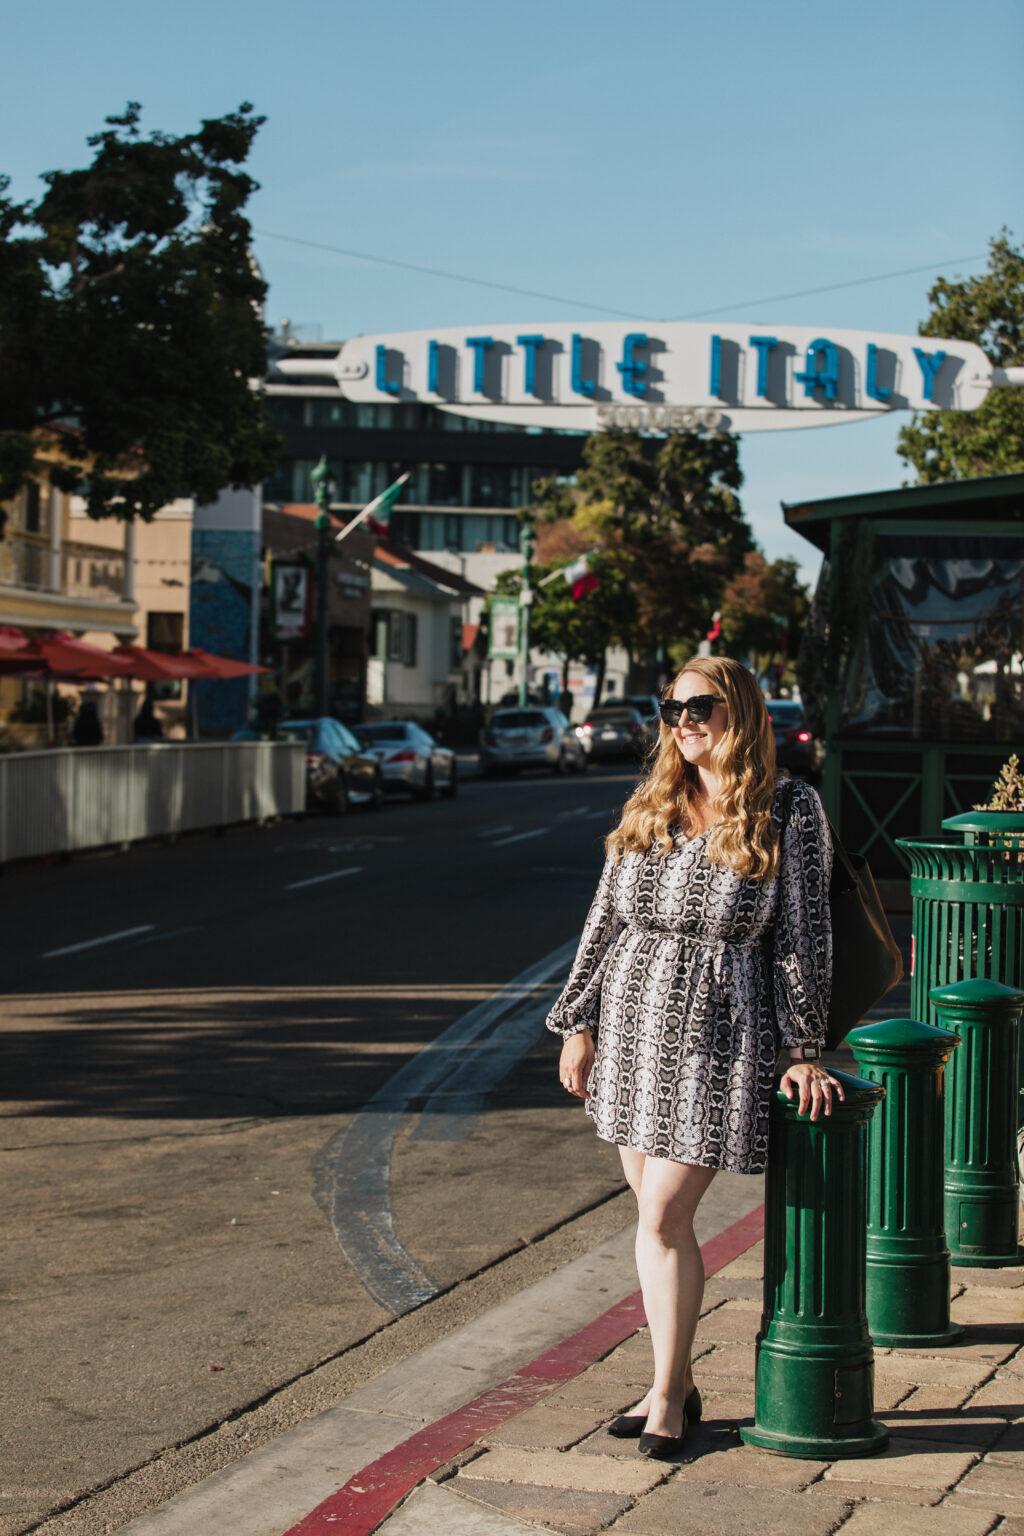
(68, 799)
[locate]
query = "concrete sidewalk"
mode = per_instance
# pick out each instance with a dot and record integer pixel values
(955, 1466)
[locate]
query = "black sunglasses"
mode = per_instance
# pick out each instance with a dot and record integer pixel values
(698, 708)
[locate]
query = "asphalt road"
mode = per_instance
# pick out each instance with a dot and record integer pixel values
(263, 1093)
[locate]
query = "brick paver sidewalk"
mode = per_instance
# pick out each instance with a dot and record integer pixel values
(955, 1466)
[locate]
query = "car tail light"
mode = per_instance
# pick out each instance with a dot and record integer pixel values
(404, 756)
(547, 734)
(803, 735)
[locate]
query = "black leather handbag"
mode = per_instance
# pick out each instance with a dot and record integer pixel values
(866, 960)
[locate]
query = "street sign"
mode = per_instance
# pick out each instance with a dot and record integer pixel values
(664, 377)
(504, 629)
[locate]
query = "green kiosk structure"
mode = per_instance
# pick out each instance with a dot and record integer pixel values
(912, 664)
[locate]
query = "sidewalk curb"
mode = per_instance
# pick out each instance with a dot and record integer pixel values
(372, 1493)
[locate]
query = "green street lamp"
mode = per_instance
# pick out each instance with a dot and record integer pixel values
(322, 481)
(526, 540)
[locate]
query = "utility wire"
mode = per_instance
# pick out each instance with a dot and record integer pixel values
(804, 293)
(554, 298)
(455, 277)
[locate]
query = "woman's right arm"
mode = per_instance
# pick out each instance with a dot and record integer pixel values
(577, 1007)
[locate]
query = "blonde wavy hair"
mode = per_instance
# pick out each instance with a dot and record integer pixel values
(744, 837)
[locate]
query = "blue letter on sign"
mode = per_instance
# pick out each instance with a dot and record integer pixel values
(716, 367)
(530, 345)
(762, 346)
(827, 376)
(872, 388)
(929, 363)
(386, 385)
(634, 380)
(433, 366)
(580, 385)
(481, 345)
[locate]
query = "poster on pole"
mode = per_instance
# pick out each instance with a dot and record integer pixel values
(504, 644)
(291, 601)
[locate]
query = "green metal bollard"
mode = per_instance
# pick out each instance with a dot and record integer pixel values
(981, 1121)
(907, 1283)
(815, 1367)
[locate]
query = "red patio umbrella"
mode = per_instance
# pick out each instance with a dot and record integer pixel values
(65, 659)
(156, 666)
(219, 667)
(15, 658)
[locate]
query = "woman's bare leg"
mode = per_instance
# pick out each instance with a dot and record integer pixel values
(671, 1270)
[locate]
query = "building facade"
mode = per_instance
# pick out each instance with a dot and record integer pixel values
(468, 481)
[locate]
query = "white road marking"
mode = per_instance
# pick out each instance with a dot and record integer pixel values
(108, 938)
(579, 810)
(335, 874)
(517, 837)
(493, 831)
(352, 1171)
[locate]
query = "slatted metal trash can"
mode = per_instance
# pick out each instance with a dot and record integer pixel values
(967, 894)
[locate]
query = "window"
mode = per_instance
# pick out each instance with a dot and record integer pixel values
(32, 507)
(401, 635)
(164, 631)
(455, 649)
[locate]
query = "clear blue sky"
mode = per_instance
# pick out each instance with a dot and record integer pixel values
(655, 158)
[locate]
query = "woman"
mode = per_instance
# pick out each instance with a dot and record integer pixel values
(708, 942)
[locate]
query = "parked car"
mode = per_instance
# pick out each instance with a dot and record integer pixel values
(530, 738)
(339, 774)
(645, 704)
(796, 747)
(410, 759)
(615, 730)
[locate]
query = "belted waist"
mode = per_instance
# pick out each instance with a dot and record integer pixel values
(715, 946)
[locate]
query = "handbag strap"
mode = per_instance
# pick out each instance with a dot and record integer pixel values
(850, 879)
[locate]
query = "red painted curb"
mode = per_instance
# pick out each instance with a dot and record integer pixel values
(372, 1493)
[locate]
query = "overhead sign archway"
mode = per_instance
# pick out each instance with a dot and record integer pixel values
(663, 377)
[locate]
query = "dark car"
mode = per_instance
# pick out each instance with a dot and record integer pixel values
(614, 730)
(339, 773)
(795, 745)
(410, 759)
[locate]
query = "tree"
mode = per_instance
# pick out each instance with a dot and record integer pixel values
(764, 609)
(989, 310)
(130, 321)
(667, 528)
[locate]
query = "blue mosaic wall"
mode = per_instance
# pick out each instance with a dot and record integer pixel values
(223, 562)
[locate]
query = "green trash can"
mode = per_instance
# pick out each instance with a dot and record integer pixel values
(967, 893)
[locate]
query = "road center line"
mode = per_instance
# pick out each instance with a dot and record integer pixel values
(518, 837)
(335, 874)
(108, 938)
(493, 831)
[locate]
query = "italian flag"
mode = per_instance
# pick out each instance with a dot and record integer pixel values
(378, 512)
(580, 577)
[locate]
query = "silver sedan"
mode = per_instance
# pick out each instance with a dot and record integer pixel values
(410, 759)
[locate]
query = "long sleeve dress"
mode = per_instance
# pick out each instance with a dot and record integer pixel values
(692, 977)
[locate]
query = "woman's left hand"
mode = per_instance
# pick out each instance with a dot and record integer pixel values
(814, 1084)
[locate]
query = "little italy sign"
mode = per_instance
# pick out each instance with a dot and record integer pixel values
(663, 377)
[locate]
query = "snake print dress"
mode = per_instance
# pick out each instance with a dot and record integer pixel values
(692, 977)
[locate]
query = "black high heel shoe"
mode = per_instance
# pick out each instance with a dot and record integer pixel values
(662, 1447)
(629, 1425)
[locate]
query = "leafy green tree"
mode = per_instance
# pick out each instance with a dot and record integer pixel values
(130, 321)
(764, 609)
(668, 530)
(989, 310)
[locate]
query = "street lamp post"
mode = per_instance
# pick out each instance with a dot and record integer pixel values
(321, 478)
(525, 599)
